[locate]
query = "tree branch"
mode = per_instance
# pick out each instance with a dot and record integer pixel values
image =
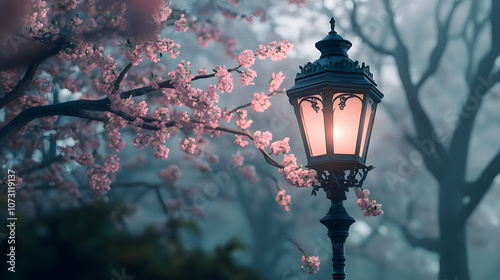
(431, 244)
(480, 86)
(266, 155)
(248, 104)
(121, 76)
(75, 108)
(442, 41)
(21, 86)
(392, 23)
(357, 29)
(482, 184)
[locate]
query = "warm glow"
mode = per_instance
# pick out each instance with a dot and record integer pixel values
(314, 125)
(337, 133)
(368, 116)
(346, 123)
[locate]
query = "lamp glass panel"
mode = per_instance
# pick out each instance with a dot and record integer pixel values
(368, 117)
(311, 112)
(346, 117)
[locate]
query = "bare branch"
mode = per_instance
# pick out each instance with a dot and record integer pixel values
(480, 86)
(431, 244)
(357, 29)
(392, 23)
(483, 183)
(442, 41)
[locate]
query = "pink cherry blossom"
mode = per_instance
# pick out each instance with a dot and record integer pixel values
(310, 263)
(162, 13)
(276, 51)
(202, 71)
(188, 145)
(260, 102)
(181, 25)
(99, 176)
(370, 207)
(85, 158)
(239, 141)
(172, 173)
(246, 58)
(237, 159)
(280, 146)
(262, 139)
(224, 79)
(247, 77)
(296, 175)
(43, 85)
(283, 199)
(241, 121)
(212, 158)
(276, 80)
(161, 152)
(248, 171)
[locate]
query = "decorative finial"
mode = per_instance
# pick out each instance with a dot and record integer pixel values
(332, 24)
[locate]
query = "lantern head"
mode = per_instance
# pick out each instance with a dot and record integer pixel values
(335, 100)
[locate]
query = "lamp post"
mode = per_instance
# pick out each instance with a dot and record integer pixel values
(335, 99)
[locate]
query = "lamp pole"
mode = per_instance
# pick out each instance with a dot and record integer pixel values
(337, 220)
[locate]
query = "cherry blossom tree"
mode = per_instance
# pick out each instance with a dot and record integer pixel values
(78, 77)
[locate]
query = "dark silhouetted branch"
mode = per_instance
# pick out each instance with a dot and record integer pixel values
(442, 41)
(431, 244)
(357, 29)
(483, 183)
(21, 86)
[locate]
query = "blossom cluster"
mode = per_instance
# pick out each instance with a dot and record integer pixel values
(224, 79)
(276, 80)
(276, 51)
(100, 176)
(310, 263)
(246, 58)
(36, 20)
(241, 120)
(283, 199)
(296, 175)
(181, 25)
(153, 47)
(162, 13)
(248, 171)
(237, 159)
(370, 207)
(260, 102)
(172, 173)
(262, 139)
(187, 145)
(247, 77)
(280, 147)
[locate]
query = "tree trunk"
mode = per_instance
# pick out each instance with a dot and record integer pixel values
(453, 238)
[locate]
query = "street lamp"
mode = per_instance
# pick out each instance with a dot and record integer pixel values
(335, 100)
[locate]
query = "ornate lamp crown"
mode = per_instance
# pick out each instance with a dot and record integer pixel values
(334, 56)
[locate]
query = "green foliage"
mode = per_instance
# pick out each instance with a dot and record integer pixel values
(88, 243)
